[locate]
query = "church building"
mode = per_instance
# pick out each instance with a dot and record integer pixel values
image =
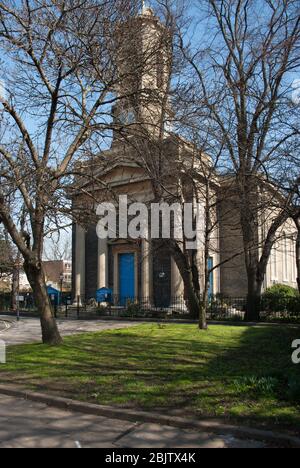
(148, 169)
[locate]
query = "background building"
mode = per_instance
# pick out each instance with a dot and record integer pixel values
(58, 273)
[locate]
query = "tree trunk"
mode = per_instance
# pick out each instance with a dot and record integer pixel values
(186, 264)
(36, 278)
(207, 244)
(203, 316)
(256, 266)
(253, 298)
(203, 309)
(205, 298)
(192, 299)
(249, 224)
(183, 263)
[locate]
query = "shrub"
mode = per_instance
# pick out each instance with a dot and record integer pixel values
(133, 309)
(294, 305)
(281, 298)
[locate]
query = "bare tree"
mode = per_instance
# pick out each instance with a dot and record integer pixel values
(60, 70)
(180, 169)
(241, 78)
(58, 248)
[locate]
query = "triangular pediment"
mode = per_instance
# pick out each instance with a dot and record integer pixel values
(123, 172)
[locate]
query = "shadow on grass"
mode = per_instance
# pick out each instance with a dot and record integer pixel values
(174, 368)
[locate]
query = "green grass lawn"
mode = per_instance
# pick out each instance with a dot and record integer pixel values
(229, 371)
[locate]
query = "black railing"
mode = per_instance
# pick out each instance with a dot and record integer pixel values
(220, 308)
(145, 307)
(26, 305)
(227, 308)
(124, 307)
(5, 302)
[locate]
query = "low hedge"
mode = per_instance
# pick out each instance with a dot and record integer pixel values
(281, 298)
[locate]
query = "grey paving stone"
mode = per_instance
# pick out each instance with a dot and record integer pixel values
(26, 424)
(80, 424)
(155, 436)
(42, 440)
(232, 442)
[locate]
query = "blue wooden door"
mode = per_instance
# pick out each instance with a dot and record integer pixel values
(211, 277)
(126, 278)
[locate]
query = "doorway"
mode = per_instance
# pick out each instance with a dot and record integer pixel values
(126, 277)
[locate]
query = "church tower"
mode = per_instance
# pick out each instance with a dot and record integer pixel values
(144, 62)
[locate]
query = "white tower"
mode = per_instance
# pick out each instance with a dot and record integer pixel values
(144, 64)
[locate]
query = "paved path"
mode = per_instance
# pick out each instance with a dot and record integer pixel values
(25, 424)
(29, 330)
(3, 325)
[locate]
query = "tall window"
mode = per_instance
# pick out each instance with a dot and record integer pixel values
(285, 255)
(274, 259)
(293, 259)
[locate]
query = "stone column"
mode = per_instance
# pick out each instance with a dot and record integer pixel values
(80, 263)
(177, 285)
(116, 274)
(102, 281)
(146, 270)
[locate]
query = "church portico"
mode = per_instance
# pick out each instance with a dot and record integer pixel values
(132, 269)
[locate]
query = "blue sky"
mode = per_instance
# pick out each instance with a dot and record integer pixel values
(199, 33)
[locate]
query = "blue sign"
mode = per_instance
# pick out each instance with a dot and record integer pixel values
(54, 295)
(104, 295)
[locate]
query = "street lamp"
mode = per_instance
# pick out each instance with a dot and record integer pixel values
(61, 277)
